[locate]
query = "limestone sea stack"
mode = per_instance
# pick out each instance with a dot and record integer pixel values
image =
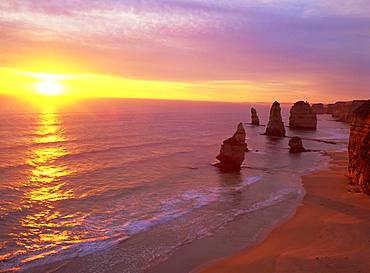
(302, 116)
(232, 151)
(275, 127)
(254, 117)
(359, 147)
(296, 145)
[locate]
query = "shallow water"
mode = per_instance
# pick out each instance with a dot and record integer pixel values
(81, 178)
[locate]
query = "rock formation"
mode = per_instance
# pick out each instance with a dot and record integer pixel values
(296, 145)
(342, 110)
(318, 108)
(330, 108)
(232, 151)
(359, 147)
(254, 117)
(338, 108)
(302, 116)
(275, 127)
(347, 117)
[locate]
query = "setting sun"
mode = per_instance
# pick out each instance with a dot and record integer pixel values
(49, 87)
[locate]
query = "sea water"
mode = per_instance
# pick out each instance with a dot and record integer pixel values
(82, 178)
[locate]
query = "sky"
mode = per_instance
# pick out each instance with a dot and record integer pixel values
(222, 50)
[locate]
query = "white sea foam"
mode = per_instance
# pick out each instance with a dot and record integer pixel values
(174, 208)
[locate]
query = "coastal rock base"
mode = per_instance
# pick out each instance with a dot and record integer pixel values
(296, 145)
(232, 151)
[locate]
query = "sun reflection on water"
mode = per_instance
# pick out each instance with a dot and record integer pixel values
(46, 229)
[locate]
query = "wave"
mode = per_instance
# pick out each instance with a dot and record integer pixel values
(169, 210)
(16, 167)
(81, 155)
(273, 199)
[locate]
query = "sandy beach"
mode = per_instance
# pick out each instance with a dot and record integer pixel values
(329, 233)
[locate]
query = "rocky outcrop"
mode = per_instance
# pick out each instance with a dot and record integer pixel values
(302, 116)
(296, 145)
(359, 147)
(254, 117)
(352, 107)
(330, 108)
(318, 108)
(338, 110)
(232, 151)
(275, 127)
(342, 110)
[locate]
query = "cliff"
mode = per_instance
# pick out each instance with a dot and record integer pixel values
(330, 108)
(359, 147)
(275, 127)
(342, 110)
(318, 108)
(302, 116)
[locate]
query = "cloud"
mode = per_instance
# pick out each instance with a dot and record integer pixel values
(324, 42)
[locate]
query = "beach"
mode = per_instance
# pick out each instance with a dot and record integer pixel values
(328, 233)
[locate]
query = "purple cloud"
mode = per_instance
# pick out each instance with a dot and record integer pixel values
(324, 42)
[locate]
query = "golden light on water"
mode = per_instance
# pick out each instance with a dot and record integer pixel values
(41, 228)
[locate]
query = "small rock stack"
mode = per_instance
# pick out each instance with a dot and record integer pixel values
(254, 117)
(275, 127)
(232, 151)
(296, 145)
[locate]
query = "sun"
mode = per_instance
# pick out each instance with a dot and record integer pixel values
(49, 87)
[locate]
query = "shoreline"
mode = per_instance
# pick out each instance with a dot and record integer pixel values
(203, 254)
(329, 233)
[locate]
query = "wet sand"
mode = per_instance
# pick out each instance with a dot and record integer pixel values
(330, 233)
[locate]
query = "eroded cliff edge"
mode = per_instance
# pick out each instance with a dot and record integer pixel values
(359, 147)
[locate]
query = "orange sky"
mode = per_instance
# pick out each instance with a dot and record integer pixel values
(195, 50)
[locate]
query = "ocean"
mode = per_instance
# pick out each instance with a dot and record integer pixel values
(80, 178)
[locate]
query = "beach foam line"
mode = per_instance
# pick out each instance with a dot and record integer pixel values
(170, 210)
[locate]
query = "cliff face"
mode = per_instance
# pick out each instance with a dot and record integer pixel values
(359, 147)
(232, 151)
(275, 127)
(330, 108)
(339, 109)
(302, 116)
(318, 108)
(342, 110)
